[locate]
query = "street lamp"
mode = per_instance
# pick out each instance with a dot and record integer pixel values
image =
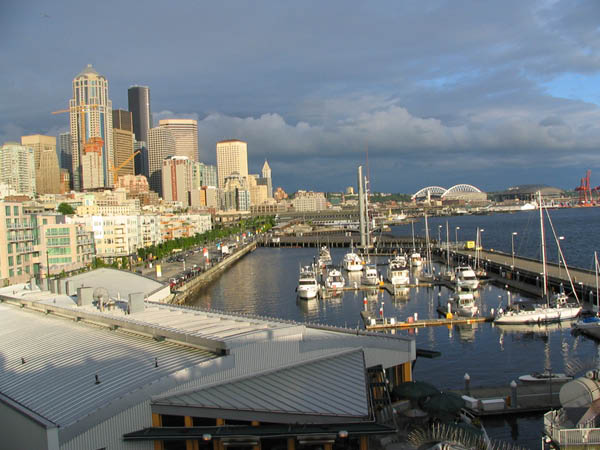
(439, 236)
(512, 239)
(456, 236)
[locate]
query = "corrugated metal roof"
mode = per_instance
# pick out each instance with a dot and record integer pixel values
(332, 386)
(62, 357)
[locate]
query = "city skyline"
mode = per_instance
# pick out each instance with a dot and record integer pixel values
(490, 95)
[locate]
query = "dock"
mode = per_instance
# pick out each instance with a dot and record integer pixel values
(525, 398)
(390, 323)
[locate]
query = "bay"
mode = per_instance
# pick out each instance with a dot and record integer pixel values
(263, 283)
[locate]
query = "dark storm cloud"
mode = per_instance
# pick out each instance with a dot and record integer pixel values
(442, 90)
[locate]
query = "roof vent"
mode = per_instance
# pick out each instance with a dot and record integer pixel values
(155, 362)
(22, 360)
(97, 379)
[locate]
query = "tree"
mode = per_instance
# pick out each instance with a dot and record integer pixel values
(65, 209)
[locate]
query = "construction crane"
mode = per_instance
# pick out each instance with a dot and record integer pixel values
(93, 143)
(585, 192)
(115, 170)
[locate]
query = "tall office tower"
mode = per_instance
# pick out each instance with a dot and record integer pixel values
(139, 104)
(123, 142)
(91, 131)
(161, 144)
(17, 168)
(122, 120)
(235, 193)
(232, 156)
(141, 159)
(185, 132)
(266, 174)
(47, 169)
(177, 179)
(64, 151)
(204, 175)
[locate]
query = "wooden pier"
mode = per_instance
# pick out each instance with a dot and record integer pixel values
(389, 323)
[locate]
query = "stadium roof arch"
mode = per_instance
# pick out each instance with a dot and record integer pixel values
(437, 191)
(461, 189)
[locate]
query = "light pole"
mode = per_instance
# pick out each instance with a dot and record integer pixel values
(560, 238)
(512, 239)
(456, 236)
(439, 236)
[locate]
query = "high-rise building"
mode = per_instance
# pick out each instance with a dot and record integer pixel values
(47, 169)
(235, 193)
(91, 131)
(177, 179)
(232, 156)
(266, 179)
(139, 105)
(17, 168)
(140, 161)
(65, 151)
(204, 175)
(161, 144)
(122, 120)
(185, 132)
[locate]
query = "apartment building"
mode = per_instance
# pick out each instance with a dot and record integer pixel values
(18, 237)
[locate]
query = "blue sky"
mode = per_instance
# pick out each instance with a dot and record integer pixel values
(440, 92)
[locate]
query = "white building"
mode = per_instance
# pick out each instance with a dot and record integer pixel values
(232, 156)
(185, 133)
(161, 144)
(149, 230)
(309, 201)
(17, 168)
(176, 174)
(114, 236)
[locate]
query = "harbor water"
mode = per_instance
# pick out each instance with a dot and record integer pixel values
(263, 283)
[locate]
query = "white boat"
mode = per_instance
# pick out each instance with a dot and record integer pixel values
(352, 262)
(464, 276)
(463, 302)
(335, 280)
(545, 377)
(370, 276)
(397, 273)
(307, 283)
(324, 257)
(590, 326)
(416, 260)
(556, 309)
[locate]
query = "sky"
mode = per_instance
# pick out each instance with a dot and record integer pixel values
(441, 92)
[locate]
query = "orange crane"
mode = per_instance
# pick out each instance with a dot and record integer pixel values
(115, 170)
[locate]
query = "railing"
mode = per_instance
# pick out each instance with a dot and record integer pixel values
(569, 436)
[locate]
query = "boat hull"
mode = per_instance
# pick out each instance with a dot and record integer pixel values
(539, 315)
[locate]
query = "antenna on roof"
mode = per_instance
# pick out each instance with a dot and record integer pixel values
(97, 379)
(22, 360)
(155, 362)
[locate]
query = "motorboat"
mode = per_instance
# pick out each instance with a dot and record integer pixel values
(588, 326)
(370, 276)
(545, 377)
(324, 257)
(397, 273)
(465, 276)
(307, 283)
(334, 280)
(352, 262)
(416, 260)
(463, 302)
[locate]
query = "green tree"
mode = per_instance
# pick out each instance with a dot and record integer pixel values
(65, 209)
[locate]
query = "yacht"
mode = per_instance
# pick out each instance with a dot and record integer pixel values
(463, 302)
(464, 276)
(370, 276)
(397, 273)
(324, 257)
(335, 280)
(416, 260)
(307, 283)
(589, 326)
(352, 262)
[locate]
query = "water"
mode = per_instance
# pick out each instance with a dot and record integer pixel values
(264, 282)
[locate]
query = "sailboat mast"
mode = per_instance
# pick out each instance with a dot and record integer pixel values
(543, 238)
(596, 271)
(427, 244)
(447, 247)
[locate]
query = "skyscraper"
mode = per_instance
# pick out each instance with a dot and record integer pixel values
(266, 175)
(65, 151)
(122, 120)
(232, 156)
(139, 105)
(177, 179)
(123, 142)
(185, 132)
(47, 168)
(91, 131)
(161, 144)
(17, 168)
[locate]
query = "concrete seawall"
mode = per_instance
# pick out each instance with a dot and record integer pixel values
(196, 283)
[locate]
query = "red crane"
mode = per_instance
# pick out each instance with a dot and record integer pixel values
(585, 192)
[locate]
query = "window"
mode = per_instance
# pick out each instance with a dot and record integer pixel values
(11, 273)
(18, 259)
(27, 269)
(11, 261)
(7, 210)
(15, 210)
(45, 221)
(10, 248)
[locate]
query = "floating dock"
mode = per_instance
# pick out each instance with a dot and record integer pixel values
(390, 323)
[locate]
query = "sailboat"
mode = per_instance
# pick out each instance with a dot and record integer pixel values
(556, 309)
(590, 326)
(427, 274)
